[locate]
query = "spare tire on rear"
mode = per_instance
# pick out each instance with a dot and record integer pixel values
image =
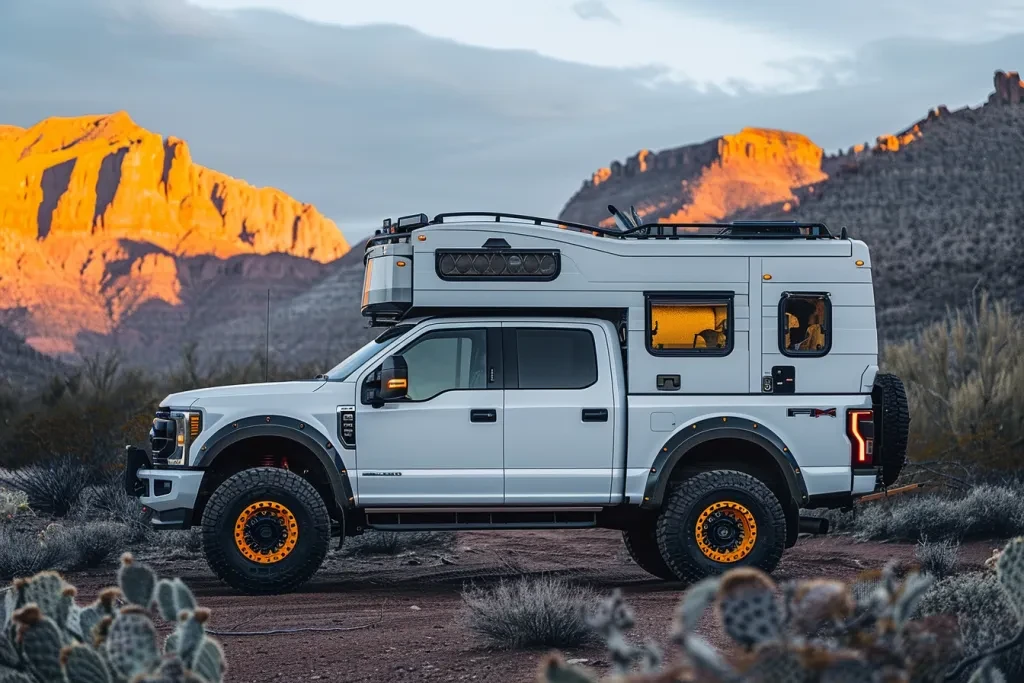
(892, 425)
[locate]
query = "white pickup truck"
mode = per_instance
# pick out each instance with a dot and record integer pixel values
(694, 386)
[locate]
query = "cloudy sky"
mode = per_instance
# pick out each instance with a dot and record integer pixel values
(373, 108)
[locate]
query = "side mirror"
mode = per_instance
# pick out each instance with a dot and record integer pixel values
(394, 378)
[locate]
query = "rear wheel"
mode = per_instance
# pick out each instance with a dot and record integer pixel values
(265, 530)
(642, 545)
(714, 521)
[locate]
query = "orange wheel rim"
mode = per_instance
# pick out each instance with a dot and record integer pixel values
(266, 532)
(726, 532)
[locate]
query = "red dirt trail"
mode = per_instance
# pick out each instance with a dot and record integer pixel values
(410, 614)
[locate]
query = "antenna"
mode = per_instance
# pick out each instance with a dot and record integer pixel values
(266, 355)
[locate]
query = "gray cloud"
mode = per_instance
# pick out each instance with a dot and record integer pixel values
(382, 120)
(595, 9)
(856, 23)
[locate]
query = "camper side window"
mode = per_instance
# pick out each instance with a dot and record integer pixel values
(682, 325)
(805, 324)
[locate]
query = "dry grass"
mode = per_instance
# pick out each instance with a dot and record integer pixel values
(531, 613)
(965, 383)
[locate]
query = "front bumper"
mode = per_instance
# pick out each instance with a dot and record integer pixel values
(169, 493)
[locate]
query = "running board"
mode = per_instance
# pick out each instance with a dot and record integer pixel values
(436, 519)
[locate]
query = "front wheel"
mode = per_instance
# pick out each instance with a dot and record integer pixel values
(265, 530)
(718, 520)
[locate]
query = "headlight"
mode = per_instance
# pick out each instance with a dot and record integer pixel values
(187, 426)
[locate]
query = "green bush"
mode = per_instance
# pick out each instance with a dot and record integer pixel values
(530, 613)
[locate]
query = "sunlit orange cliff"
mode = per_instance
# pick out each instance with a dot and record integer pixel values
(98, 217)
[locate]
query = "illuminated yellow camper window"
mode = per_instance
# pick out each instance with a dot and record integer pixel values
(684, 326)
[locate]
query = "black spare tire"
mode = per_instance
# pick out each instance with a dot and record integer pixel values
(892, 425)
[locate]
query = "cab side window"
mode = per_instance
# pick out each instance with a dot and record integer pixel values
(446, 360)
(805, 322)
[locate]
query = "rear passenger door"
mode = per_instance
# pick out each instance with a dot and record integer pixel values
(559, 429)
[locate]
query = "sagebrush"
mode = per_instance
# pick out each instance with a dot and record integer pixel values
(530, 612)
(938, 558)
(982, 513)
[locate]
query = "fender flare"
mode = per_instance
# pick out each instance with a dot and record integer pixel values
(721, 427)
(289, 428)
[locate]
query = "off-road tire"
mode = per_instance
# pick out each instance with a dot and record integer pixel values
(675, 530)
(265, 484)
(892, 410)
(642, 546)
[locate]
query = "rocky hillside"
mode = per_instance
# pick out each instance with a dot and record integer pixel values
(702, 182)
(113, 236)
(939, 203)
(21, 366)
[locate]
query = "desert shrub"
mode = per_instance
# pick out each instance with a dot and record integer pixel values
(938, 558)
(92, 412)
(66, 547)
(818, 630)
(965, 383)
(395, 542)
(52, 638)
(109, 501)
(188, 541)
(985, 616)
(53, 487)
(984, 512)
(13, 503)
(530, 613)
(89, 545)
(24, 554)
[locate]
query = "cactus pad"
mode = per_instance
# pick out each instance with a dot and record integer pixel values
(209, 661)
(747, 607)
(137, 581)
(83, 665)
(41, 643)
(131, 643)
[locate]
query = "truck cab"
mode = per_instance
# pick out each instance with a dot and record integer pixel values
(692, 385)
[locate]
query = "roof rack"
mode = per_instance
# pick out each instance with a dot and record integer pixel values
(666, 231)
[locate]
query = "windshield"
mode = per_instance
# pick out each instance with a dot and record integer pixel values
(342, 370)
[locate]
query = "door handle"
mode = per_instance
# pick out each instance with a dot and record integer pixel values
(595, 414)
(483, 415)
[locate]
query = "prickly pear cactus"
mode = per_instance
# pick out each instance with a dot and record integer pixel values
(45, 636)
(816, 631)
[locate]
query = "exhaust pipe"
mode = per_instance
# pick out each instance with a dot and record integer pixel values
(813, 525)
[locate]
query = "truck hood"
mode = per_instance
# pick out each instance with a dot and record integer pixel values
(188, 399)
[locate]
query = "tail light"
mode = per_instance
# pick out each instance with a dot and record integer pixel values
(860, 427)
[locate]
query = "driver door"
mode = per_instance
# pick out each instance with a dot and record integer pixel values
(442, 444)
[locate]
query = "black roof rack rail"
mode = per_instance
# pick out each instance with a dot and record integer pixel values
(747, 229)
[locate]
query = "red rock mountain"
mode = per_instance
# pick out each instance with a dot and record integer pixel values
(702, 182)
(109, 232)
(939, 203)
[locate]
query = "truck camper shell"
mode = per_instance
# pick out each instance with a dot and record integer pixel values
(725, 296)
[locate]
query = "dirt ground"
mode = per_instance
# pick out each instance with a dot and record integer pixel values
(405, 610)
